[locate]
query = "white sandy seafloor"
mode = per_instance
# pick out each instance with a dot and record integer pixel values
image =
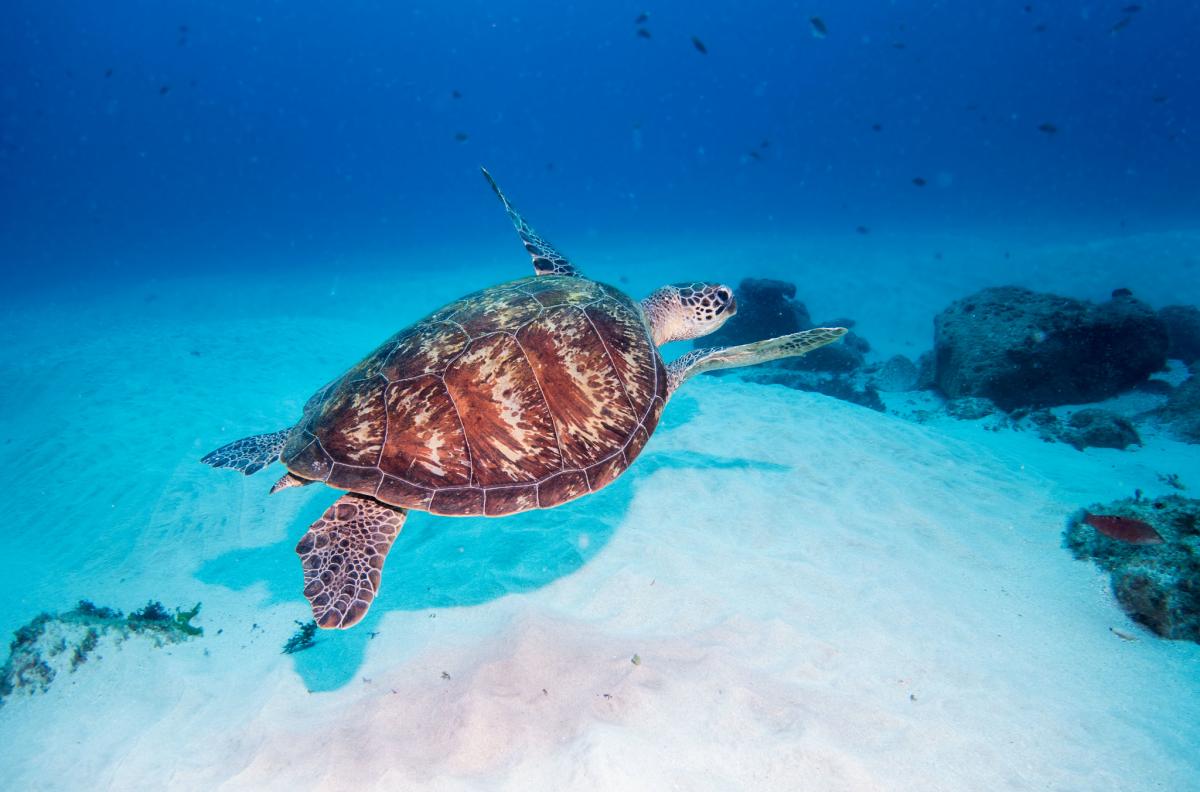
(820, 596)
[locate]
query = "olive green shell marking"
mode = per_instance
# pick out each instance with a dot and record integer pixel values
(521, 396)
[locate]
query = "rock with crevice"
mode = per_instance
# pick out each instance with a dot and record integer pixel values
(1022, 348)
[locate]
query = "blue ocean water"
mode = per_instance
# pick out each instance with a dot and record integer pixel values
(272, 136)
(209, 210)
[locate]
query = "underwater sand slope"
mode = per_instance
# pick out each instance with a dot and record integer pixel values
(818, 595)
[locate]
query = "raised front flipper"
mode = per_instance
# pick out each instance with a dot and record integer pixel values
(792, 345)
(546, 260)
(343, 555)
(250, 454)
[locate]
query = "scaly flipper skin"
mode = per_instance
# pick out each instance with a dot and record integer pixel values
(250, 454)
(343, 554)
(792, 345)
(546, 260)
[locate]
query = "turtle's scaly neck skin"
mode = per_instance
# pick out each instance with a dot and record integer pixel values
(688, 310)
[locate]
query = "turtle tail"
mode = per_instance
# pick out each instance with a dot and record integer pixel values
(250, 454)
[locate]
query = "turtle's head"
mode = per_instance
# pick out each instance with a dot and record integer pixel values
(688, 310)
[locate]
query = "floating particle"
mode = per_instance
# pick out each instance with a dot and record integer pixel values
(918, 181)
(1131, 9)
(699, 45)
(108, 72)
(877, 127)
(1121, 24)
(643, 33)
(817, 25)
(862, 230)
(456, 94)
(164, 90)
(642, 18)
(1048, 128)
(1039, 28)
(461, 137)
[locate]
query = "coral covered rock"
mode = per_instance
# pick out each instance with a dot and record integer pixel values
(1020, 348)
(1157, 584)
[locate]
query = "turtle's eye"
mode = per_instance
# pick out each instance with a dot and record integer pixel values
(723, 295)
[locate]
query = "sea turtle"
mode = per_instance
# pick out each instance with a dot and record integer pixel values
(521, 396)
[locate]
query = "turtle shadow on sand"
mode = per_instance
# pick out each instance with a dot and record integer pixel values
(439, 563)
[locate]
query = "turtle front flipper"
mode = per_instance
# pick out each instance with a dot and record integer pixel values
(250, 454)
(343, 555)
(546, 260)
(792, 345)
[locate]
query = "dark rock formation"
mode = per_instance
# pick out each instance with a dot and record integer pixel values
(1158, 585)
(897, 375)
(1183, 330)
(1094, 428)
(1024, 349)
(1181, 415)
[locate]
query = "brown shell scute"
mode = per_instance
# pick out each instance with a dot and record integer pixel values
(522, 396)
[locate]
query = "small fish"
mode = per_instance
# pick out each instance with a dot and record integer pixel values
(1124, 636)
(765, 144)
(1039, 28)
(1158, 98)
(819, 30)
(877, 127)
(862, 230)
(456, 94)
(108, 72)
(898, 45)
(919, 181)
(1028, 9)
(1131, 9)
(699, 45)
(1124, 529)
(642, 18)
(164, 90)
(1048, 128)
(754, 155)
(643, 33)
(461, 137)
(1122, 23)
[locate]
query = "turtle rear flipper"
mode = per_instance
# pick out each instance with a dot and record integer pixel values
(343, 554)
(546, 260)
(250, 454)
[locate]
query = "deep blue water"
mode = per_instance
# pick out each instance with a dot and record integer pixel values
(151, 138)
